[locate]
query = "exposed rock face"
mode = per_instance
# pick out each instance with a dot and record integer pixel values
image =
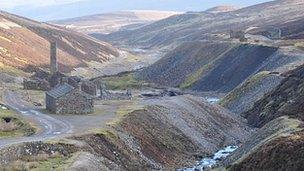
(174, 68)
(209, 66)
(235, 67)
(286, 99)
(242, 98)
(88, 162)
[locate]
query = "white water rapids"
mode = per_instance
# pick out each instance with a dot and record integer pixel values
(209, 162)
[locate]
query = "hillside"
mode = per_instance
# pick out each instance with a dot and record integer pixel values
(286, 99)
(218, 66)
(25, 45)
(167, 134)
(198, 26)
(279, 116)
(111, 22)
(223, 8)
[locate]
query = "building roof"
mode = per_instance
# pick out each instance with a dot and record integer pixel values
(60, 90)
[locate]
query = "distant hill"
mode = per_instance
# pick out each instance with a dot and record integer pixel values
(203, 25)
(110, 22)
(224, 8)
(24, 44)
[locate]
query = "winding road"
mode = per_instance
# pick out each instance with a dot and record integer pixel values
(49, 127)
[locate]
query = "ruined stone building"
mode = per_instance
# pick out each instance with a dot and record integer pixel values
(89, 87)
(43, 80)
(66, 99)
(110, 95)
(237, 34)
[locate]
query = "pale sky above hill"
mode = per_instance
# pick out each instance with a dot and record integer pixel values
(14, 3)
(45, 10)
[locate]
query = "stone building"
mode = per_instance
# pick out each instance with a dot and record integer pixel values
(74, 81)
(66, 99)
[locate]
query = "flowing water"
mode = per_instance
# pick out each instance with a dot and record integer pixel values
(209, 162)
(212, 100)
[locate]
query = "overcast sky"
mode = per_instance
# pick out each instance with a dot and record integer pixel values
(45, 10)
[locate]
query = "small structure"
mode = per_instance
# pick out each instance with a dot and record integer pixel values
(43, 80)
(274, 33)
(237, 34)
(66, 99)
(89, 87)
(56, 79)
(53, 57)
(110, 95)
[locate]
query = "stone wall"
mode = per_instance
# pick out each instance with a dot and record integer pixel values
(107, 95)
(75, 102)
(36, 84)
(237, 34)
(50, 103)
(89, 88)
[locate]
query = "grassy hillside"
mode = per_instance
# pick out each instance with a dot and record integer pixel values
(111, 22)
(199, 26)
(25, 45)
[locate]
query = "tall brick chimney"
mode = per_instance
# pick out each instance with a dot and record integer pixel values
(53, 54)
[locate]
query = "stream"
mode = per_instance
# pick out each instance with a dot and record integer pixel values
(212, 100)
(209, 162)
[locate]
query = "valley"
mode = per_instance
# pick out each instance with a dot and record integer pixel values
(220, 89)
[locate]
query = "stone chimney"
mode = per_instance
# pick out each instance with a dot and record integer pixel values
(53, 54)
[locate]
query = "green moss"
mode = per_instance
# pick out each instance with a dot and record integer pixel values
(249, 84)
(22, 128)
(194, 77)
(123, 82)
(107, 133)
(299, 45)
(56, 163)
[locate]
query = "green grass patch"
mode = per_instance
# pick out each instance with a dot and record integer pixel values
(56, 163)
(239, 91)
(11, 70)
(193, 78)
(123, 82)
(106, 133)
(16, 126)
(41, 162)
